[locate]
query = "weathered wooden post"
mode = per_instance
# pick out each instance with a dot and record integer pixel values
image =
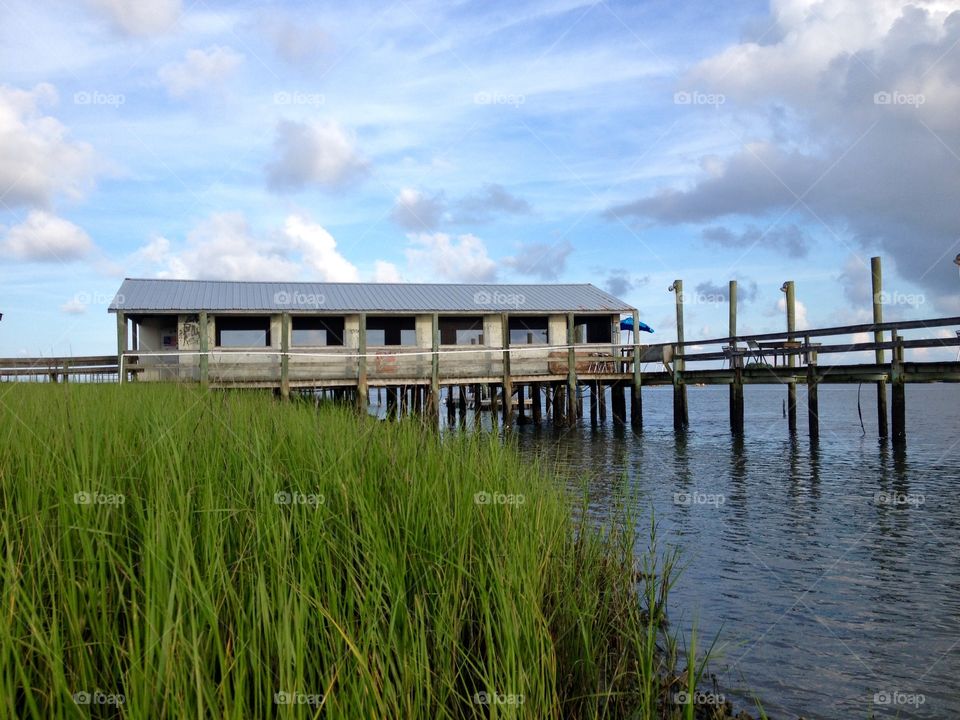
(593, 403)
(433, 402)
(618, 398)
(204, 349)
(121, 345)
(477, 404)
(636, 398)
(681, 419)
(571, 371)
(876, 274)
(898, 394)
(791, 302)
(507, 380)
(736, 364)
(363, 392)
(813, 395)
(535, 397)
(284, 353)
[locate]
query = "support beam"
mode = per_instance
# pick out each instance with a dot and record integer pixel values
(736, 364)
(507, 380)
(433, 402)
(619, 402)
(535, 396)
(362, 388)
(204, 349)
(876, 274)
(284, 353)
(789, 289)
(898, 394)
(571, 372)
(636, 398)
(813, 397)
(593, 403)
(121, 346)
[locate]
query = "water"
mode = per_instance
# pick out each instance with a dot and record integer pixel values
(822, 593)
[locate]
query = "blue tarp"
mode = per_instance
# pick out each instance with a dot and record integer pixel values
(627, 324)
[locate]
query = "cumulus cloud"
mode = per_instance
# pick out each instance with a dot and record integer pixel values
(200, 70)
(74, 306)
(800, 312)
(38, 159)
(788, 239)
(619, 282)
(484, 205)
(44, 237)
(386, 272)
(746, 290)
(139, 17)
(322, 154)
(223, 247)
(294, 39)
(462, 260)
(872, 118)
(319, 250)
(415, 210)
(546, 261)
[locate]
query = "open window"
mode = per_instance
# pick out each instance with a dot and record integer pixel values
(243, 331)
(391, 330)
(529, 330)
(316, 331)
(592, 329)
(461, 330)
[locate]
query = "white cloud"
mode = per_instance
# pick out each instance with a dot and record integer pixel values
(44, 237)
(414, 210)
(74, 306)
(386, 272)
(321, 153)
(139, 17)
(296, 40)
(319, 250)
(464, 260)
(37, 158)
(223, 247)
(801, 321)
(200, 70)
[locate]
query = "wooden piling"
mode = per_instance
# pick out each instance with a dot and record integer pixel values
(736, 364)
(619, 401)
(121, 346)
(876, 274)
(284, 352)
(813, 396)
(571, 372)
(507, 379)
(602, 401)
(681, 419)
(521, 410)
(636, 398)
(204, 350)
(433, 404)
(789, 289)
(535, 396)
(363, 391)
(593, 403)
(898, 393)
(477, 404)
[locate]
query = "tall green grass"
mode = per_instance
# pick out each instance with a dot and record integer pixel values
(178, 554)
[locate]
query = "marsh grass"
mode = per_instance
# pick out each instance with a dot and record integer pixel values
(178, 554)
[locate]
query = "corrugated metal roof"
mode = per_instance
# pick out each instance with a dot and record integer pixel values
(163, 296)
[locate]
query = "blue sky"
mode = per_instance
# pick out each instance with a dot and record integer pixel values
(623, 144)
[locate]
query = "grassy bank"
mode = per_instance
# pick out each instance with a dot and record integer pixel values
(167, 553)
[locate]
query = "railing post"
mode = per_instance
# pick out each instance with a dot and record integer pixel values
(876, 274)
(121, 345)
(507, 380)
(791, 303)
(681, 419)
(571, 371)
(204, 350)
(636, 398)
(284, 354)
(363, 391)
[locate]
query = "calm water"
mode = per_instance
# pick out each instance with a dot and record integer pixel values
(822, 593)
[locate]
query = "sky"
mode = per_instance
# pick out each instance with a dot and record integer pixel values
(621, 144)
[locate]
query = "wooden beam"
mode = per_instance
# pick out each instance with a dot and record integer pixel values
(204, 349)
(433, 406)
(636, 397)
(284, 350)
(898, 394)
(121, 345)
(571, 372)
(681, 419)
(876, 276)
(788, 288)
(507, 381)
(363, 391)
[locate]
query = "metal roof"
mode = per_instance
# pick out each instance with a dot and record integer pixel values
(168, 296)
